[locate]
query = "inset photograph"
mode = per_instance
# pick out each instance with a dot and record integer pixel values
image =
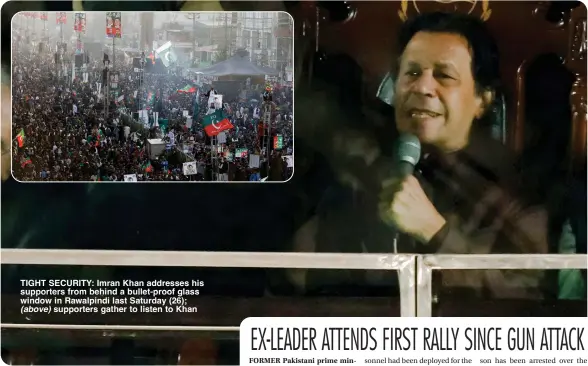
(152, 97)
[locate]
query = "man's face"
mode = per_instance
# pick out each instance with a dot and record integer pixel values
(435, 97)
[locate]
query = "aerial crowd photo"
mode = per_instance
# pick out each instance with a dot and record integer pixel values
(152, 97)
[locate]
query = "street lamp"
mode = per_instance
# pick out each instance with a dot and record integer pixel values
(193, 16)
(106, 83)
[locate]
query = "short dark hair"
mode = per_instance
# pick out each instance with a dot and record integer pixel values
(485, 63)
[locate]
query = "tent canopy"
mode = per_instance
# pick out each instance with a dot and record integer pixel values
(238, 64)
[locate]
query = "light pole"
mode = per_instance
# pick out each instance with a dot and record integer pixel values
(106, 82)
(193, 17)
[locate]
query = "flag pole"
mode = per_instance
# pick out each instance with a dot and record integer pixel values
(113, 58)
(113, 54)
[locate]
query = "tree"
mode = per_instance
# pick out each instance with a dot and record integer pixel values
(220, 55)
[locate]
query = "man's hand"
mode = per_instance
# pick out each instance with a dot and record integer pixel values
(405, 205)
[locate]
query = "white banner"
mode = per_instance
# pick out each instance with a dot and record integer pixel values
(421, 341)
(187, 148)
(130, 177)
(144, 116)
(289, 159)
(254, 161)
(156, 119)
(216, 99)
(221, 138)
(190, 168)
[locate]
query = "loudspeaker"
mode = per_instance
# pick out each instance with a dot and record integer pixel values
(41, 47)
(57, 57)
(136, 62)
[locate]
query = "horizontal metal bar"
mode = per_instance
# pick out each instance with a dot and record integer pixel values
(506, 261)
(176, 328)
(428, 263)
(64, 257)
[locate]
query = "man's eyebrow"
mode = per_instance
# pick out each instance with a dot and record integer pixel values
(445, 65)
(438, 64)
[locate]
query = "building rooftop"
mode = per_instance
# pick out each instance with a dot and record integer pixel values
(176, 26)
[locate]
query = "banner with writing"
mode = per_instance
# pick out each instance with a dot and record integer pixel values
(113, 24)
(130, 177)
(61, 17)
(80, 22)
(241, 153)
(289, 159)
(189, 168)
(254, 161)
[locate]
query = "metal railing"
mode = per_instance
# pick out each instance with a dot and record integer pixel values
(414, 271)
(405, 264)
(427, 263)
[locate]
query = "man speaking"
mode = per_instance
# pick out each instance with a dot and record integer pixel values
(463, 198)
(453, 188)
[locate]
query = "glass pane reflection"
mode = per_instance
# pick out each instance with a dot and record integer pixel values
(521, 297)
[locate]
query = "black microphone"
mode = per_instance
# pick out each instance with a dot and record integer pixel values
(408, 154)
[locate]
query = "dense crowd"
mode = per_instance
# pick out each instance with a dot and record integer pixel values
(62, 133)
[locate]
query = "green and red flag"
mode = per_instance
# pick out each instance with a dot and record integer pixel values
(187, 89)
(147, 167)
(278, 142)
(25, 161)
(216, 123)
(99, 137)
(20, 138)
(150, 97)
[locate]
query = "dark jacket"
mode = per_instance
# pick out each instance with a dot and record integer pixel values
(477, 192)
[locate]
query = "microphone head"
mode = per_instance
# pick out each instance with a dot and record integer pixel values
(408, 149)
